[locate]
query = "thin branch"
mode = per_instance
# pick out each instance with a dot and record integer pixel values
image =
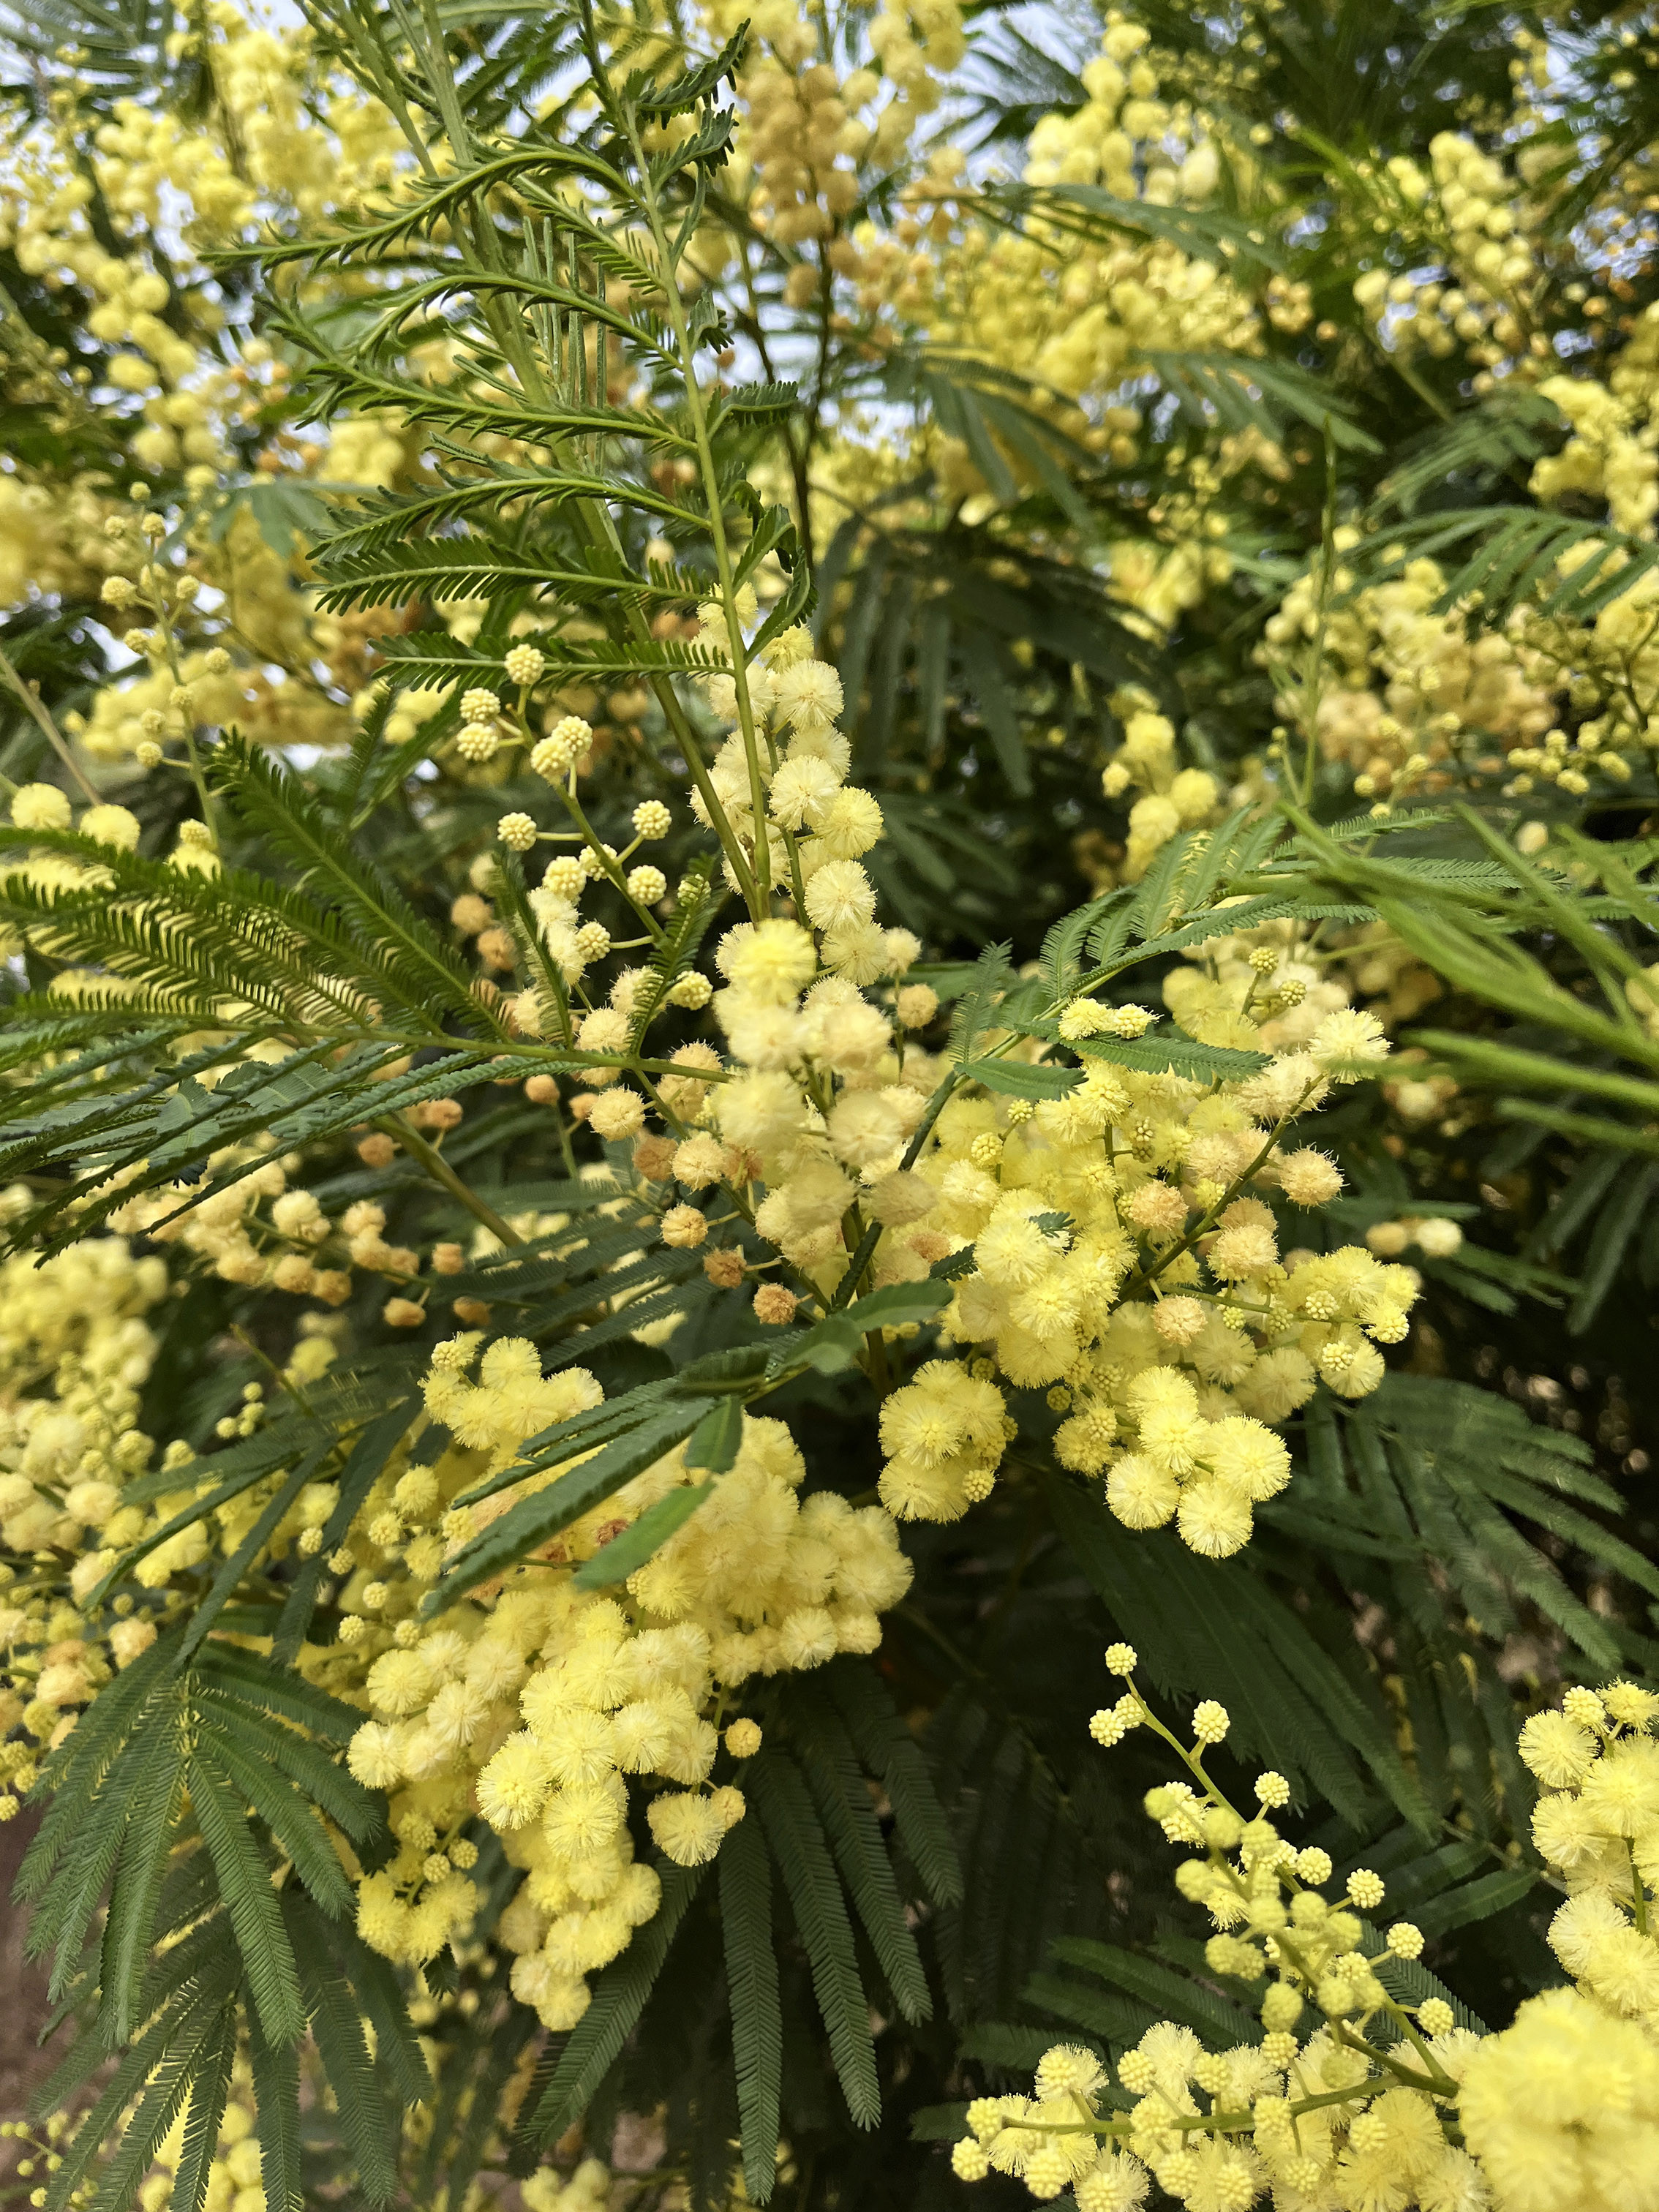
(37, 707)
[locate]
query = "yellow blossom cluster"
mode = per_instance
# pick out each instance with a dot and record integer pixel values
(587, 2189)
(1599, 1825)
(811, 126)
(775, 797)
(259, 1232)
(1388, 2100)
(539, 1706)
(1173, 799)
(183, 678)
(1079, 330)
(77, 1348)
(1409, 692)
(1562, 2110)
(266, 141)
(75, 1351)
(1122, 1251)
(269, 144)
(1113, 1238)
(1414, 694)
(1287, 982)
(1123, 1257)
(51, 540)
(1609, 455)
(276, 135)
(1473, 221)
(1071, 315)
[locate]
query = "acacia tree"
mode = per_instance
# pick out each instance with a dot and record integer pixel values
(828, 874)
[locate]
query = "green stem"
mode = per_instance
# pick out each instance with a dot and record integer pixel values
(1206, 1220)
(712, 493)
(1639, 1890)
(1443, 2086)
(613, 867)
(170, 647)
(442, 80)
(37, 708)
(866, 1244)
(439, 1169)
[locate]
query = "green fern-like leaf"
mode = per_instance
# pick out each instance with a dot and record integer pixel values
(752, 1974)
(798, 1844)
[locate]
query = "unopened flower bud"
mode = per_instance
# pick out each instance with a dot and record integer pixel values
(525, 665)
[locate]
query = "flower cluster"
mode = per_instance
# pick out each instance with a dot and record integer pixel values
(1388, 2098)
(537, 1707)
(1121, 1251)
(258, 1231)
(1410, 692)
(1115, 1245)
(1414, 694)
(1563, 2108)
(1598, 1824)
(1174, 798)
(1469, 225)
(110, 208)
(1073, 314)
(812, 124)
(75, 1350)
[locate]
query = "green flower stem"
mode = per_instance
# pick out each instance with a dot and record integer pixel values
(612, 868)
(1436, 2081)
(1206, 1220)
(847, 1286)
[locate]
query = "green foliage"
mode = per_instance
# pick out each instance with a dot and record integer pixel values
(203, 1774)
